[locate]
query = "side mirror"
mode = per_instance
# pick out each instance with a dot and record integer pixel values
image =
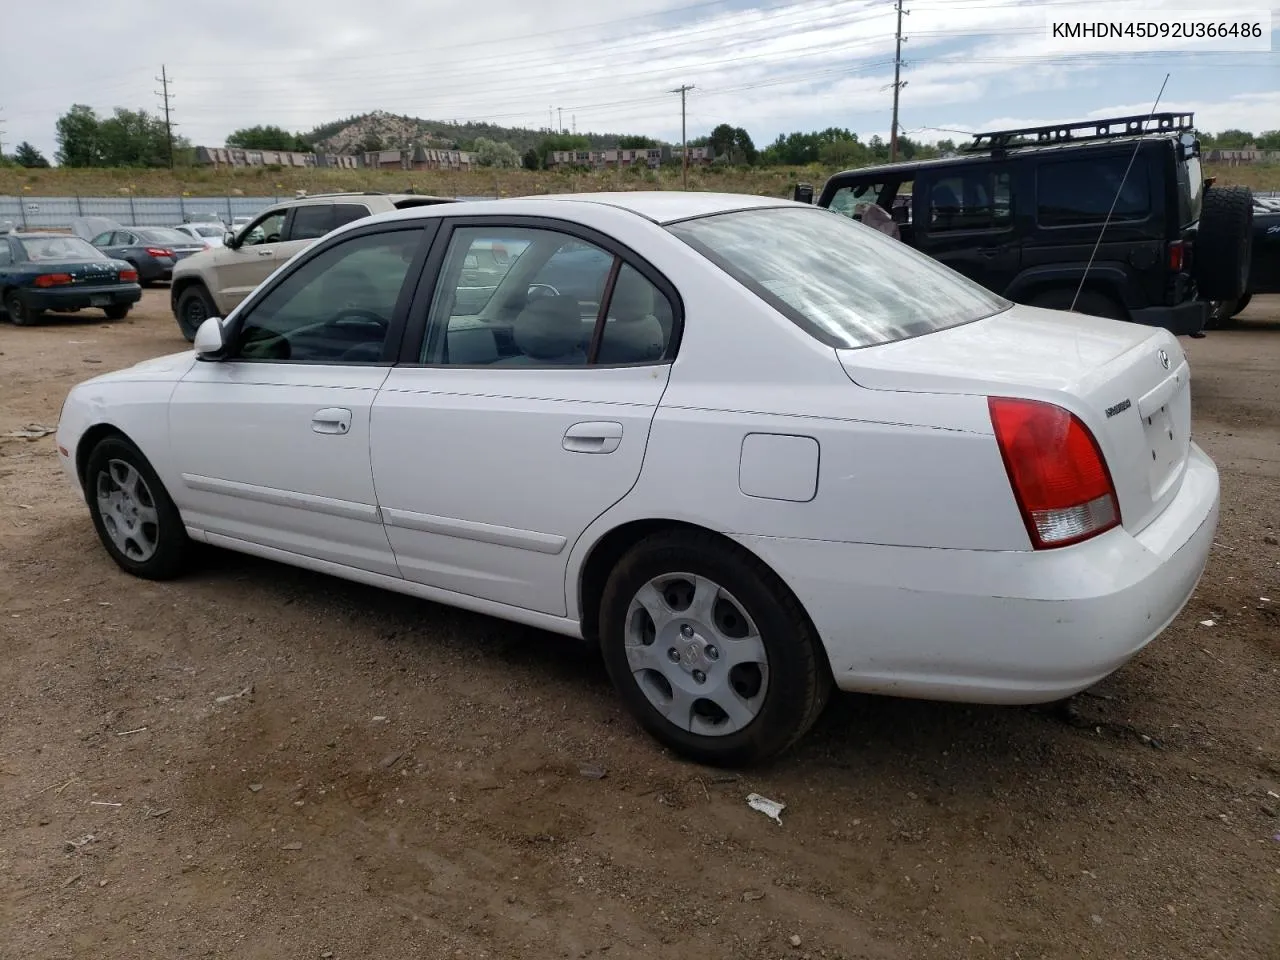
(210, 341)
(229, 239)
(803, 193)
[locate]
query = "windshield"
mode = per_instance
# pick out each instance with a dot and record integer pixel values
(163, 235)
(59, 248)
(845, 284)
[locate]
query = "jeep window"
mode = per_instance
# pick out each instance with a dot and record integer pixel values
(845, 284)
(1081, 191)
(970, 200)
(344, 213)
(311, 221)
(266, 230)
(846, 199)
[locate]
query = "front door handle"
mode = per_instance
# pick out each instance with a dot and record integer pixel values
(266, 253)
(331, 420)
(593, 436)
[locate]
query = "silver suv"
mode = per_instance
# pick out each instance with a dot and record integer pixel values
(212, 283)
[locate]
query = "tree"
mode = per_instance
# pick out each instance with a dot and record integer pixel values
(1269, 140)
(532, 161)
(77, 134)
(721, 140)
(371, 144)
(744, 150)
(491, 153)
(635, 142)
(269, 138)
(28, 156)
(561, 141)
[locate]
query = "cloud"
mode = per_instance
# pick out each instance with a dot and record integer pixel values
(768, 65)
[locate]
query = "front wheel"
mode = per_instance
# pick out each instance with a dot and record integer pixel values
(116, 312)
(132, 512)
(710, 651)
(194, 308)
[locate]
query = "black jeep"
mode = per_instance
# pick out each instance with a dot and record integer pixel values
(1022, 213)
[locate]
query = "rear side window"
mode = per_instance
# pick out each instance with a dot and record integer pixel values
(311, 221)
(1071, 192)
(844, 283)
(348, 213)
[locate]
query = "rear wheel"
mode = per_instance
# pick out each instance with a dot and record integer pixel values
(1240, 304)
(1091, 302)
(132, 512)
(1224, 243)
(19, 313)
(710, 651)
(117, 311)
(194, 307)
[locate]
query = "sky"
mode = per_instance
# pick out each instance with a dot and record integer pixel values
(770, 66)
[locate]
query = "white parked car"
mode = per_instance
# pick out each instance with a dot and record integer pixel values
(777, 452)
(210, 234)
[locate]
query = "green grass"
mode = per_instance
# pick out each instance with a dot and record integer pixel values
(206, 182)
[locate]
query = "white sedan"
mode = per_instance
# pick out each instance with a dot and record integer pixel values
(753, 450)
(210, 234)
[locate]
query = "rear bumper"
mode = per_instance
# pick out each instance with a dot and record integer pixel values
(1000, 626)
(81, 298)
(1183, 320)
(153, 270)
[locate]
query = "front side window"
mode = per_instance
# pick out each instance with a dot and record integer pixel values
(540, 298)
(1082, 191)
(266, 230)
(103, 239)
(978, 199)
(846, 284)
(335, 307)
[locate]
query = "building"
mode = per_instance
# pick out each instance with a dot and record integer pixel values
(418, 157)
(606, 159)
(1234, 157)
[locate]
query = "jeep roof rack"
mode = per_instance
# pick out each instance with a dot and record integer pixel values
(1082, 131)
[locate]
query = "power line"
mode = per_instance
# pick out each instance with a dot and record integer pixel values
(683, 89)
(168, 122)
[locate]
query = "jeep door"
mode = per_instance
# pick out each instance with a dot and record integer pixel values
(964, 216)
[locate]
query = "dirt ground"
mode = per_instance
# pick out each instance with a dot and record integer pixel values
(402, 780)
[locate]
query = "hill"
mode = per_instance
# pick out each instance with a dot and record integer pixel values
(393, 131)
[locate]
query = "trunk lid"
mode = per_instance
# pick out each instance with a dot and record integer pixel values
(1129, 384)
(87, 272)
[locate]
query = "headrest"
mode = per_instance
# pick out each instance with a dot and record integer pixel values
(633, 341)
(549, 327)
(632, 296)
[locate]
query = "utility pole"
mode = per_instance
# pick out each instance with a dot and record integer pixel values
(168, 123)
(560, 114)
(897, 82)
(683, 89)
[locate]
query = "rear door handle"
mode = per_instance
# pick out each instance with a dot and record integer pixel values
(331, 420)
(593, 436)
(266, 253)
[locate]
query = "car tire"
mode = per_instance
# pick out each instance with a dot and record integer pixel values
(1224, 243)
(1090, 302)
(1239, 306)
(195, 306)
(751, 648)
(19, 313)
(118, 312)
(136, 519)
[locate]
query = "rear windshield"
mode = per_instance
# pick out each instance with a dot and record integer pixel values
(53, 249)
(846, 284)
(163, 235)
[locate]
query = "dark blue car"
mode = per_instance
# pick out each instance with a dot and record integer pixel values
(42, 272)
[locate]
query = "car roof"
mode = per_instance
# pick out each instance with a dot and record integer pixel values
(1012, 152)
(657, 206)
(43, 235)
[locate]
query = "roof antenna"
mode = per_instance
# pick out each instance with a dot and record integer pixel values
(1119, 190)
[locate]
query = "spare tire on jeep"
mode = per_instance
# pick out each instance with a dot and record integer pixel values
(1224, 243)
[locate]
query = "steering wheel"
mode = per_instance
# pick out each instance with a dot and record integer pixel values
(539, 290)
(358, 313)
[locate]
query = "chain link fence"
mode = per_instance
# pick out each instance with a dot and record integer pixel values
(34, 213)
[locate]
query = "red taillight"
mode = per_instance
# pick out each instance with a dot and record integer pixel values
(128, 276)
(53, 279)
(1177, 256)
(159, 252)
(1057, 472)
